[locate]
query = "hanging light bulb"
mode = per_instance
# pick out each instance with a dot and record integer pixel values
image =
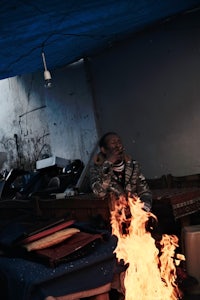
(47, 74)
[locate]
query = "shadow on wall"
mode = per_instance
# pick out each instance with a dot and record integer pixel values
(23, 153)
(3, 159)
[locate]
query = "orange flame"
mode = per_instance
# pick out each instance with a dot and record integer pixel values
(151, 271)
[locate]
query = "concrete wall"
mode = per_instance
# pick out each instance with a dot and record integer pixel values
(148, 90)
(24, 133)
(71, 117)
(35, 121)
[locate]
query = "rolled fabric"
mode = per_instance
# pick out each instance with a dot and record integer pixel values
(51, 239)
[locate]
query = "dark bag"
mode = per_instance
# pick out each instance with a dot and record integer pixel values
(78, 245)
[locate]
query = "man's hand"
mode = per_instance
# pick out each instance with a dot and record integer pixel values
(115, 155)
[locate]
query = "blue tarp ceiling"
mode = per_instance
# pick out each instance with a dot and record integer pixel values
(67, 30)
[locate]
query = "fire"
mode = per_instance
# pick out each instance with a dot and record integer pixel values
(151, 270)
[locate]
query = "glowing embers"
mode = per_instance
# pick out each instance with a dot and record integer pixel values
(151, 269)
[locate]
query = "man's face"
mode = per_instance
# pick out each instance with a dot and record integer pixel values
(114, 147)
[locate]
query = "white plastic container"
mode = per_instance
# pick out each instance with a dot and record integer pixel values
(52, 161)
(191, 243)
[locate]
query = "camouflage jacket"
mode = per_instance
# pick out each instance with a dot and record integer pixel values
(103, 180)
